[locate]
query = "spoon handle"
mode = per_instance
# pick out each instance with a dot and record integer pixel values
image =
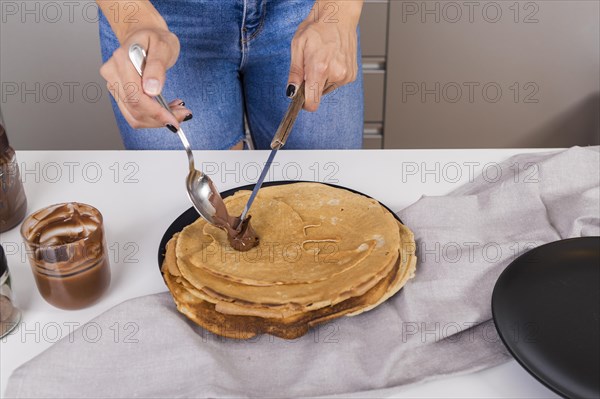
(137, 55)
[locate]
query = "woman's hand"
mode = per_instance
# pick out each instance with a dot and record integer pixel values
(324, 50)
(132, 93)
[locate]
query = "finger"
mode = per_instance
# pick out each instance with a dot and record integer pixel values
(124, 84)
(109, 71)
(140, 110)
(182, 114)
(296, 75)
(116, 94)
(315, 82)
(338, 75)
(329, 87)
(177, 102)
(143, 108)
(177, 107)
(157, 60)
(149, 113)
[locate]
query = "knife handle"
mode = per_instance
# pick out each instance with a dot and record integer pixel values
(285, 127)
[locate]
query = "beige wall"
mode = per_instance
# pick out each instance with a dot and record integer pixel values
(45, 51)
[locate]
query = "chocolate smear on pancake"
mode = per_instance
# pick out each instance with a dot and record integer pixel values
(241, 236)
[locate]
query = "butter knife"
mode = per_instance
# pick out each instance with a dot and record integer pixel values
(281, 136)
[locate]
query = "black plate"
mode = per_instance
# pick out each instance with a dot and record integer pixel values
(546, 306)
(188, 217)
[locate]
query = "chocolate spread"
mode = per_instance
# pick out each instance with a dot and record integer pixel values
(13, 203)
(67, 251)
(241, 236)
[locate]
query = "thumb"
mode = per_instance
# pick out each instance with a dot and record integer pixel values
(296, 76)
(155, 69)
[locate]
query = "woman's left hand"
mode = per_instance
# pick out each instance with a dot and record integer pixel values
(324, 50)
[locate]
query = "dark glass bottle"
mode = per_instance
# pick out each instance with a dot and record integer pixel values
(13, 203)
(10, 315)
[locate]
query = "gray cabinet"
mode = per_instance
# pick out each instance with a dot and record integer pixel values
(445, 74)
(374, 33)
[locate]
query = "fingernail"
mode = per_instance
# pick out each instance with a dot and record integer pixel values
(182, 104)
(152, 87)
(188, 117)
(171, 128)
(291, 90)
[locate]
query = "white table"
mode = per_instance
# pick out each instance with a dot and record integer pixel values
(141, 193)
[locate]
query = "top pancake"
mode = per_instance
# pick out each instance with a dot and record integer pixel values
(318, 246)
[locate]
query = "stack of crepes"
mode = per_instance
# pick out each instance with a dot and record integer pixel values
(324, 252)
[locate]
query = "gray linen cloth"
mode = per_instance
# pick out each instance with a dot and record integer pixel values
(439, 324)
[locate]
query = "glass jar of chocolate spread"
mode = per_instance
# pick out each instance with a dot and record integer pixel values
(67, 252)
(13, 203)
(10, 315)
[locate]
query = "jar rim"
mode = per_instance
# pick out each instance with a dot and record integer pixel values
(31, 216)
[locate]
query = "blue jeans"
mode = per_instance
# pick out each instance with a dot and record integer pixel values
(235, 59)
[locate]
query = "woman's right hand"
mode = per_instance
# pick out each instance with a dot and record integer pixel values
(133, 94)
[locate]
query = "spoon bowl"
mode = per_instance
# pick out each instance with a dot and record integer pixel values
(201, 191)
(203, 195)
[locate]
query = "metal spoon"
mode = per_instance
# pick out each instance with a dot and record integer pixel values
(200, 188)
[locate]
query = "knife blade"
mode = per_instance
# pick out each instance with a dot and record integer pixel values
(281, 136)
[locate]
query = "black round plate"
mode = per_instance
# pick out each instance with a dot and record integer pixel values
(188, 217)
(546, 306)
